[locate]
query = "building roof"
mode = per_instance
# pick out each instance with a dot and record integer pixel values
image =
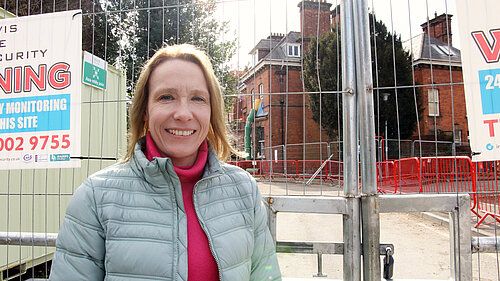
(265, 44)
(426, 49)
(276, 54)
(275, 43)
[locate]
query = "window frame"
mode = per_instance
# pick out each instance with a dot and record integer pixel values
(291, 48)
(434, 93)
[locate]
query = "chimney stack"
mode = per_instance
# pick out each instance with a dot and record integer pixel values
(309, 19)
(439, 27)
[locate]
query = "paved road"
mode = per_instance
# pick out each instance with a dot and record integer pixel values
(421, 245)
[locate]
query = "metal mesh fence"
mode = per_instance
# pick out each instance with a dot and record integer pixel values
(284, 69)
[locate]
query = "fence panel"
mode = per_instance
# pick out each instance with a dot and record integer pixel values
(417, 91)
(387, 177)
(447, 175)
(407, 172)
(487, 192)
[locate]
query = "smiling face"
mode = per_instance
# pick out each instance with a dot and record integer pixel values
(178, 112)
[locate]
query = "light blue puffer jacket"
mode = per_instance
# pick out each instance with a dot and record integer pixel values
(127, 222)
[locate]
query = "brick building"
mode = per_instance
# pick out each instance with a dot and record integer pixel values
(275, 78)
(438, 69)
(285, 117)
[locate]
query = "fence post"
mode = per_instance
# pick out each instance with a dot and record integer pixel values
(460, 241)
(366, 122)
(351, 219)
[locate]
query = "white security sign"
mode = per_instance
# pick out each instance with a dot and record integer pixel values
(40, 89)
(479, 27)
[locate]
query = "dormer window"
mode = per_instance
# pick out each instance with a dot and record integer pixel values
(292, 50)
(445, 50)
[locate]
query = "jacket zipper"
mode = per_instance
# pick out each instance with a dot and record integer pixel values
(202, 224)
(175, 225)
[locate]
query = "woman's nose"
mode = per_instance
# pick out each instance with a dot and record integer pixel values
(183, 111)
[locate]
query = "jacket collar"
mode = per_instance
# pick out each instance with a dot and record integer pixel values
(155, 171)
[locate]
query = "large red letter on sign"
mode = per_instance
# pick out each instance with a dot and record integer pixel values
(59, 76)
(6, 80)
(30, 76)
(490, 52)
(490, 126)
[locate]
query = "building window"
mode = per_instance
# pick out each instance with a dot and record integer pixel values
(261, 91)
(255, 58)
(260, 140)
(444, 50)
(293, 50)
(458, 136)
(433, 100)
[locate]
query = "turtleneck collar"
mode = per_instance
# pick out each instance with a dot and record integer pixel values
(186, 174)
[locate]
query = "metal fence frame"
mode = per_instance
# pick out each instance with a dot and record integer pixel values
(361, 246)
(456, 205)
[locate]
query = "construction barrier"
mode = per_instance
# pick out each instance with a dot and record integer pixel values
(335, 172)
(487, 196)
(447, 174)
(408, 175)
(258, 169)
(282, 169)
(442, 174)
(386, 177)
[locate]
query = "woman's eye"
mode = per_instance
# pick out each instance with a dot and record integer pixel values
(166, 97)
(198, 99)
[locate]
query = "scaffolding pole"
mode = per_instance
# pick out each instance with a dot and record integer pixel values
(351, 220)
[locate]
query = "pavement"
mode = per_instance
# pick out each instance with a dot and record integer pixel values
(421, 240)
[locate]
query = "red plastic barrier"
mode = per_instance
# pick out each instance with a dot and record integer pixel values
(282, 168)
(410, 175)
(447, 175)
(487, 196)
(257, 168)
(407, 175)
(386, 177)
(335, 171)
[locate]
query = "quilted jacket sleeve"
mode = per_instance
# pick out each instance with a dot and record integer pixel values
(80, 245)
(264, 262)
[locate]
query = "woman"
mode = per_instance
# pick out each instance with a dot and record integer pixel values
(171, 210)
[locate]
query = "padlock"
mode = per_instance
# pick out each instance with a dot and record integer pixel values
(388, 264)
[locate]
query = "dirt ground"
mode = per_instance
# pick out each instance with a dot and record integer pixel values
(422, 248)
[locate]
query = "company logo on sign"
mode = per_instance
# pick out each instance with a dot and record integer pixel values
(489, 146)
(490, 52)
(41, 158)
(27, 158)
(59, 157)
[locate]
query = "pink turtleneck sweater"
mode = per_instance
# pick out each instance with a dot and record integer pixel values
(201, 263)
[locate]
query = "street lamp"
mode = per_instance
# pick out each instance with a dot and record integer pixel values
(385, 98)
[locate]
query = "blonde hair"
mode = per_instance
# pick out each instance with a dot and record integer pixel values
(217, 133)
